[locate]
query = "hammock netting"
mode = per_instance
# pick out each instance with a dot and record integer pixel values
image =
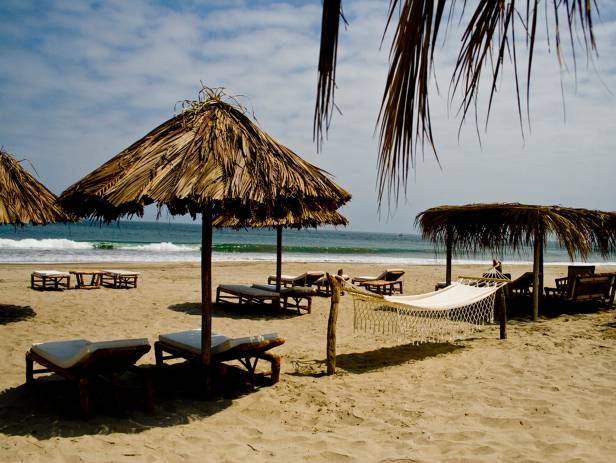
(444, 315)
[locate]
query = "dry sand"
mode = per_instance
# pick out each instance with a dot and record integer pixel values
(544, 394)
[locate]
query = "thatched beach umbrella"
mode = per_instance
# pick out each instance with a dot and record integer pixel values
(472, 227)
(307, 219)
(23, 199)
(214, 160)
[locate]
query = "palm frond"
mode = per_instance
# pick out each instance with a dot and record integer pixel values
(490, 37)
(326, 85)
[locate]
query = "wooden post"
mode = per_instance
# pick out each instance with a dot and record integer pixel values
(541, 284)
(536, 258)
(206, 295)
(336, 288)
(502, 312)
(449, 253)
(278, 256)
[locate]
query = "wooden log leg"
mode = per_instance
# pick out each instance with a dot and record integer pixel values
(148, 390)
(275, 361)
(309, 305)
(84, 398)
(158, 354)
(29, 369)
(32, 281)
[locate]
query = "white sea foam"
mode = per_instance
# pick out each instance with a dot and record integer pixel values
(50, 244)
(161, 247)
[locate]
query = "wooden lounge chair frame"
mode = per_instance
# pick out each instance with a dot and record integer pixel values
(564, 285)
(120, 280)
(293, 296)
(522, 285)
(50, 281)
(380, 283)
(382, 286)
(305, 279)
(599, 287)
(247, 354)
(234, 294)
(105, 363)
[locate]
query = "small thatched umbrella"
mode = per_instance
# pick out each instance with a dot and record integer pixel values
(307, 219)
(493, 226)
(210, 159)
(23, 199)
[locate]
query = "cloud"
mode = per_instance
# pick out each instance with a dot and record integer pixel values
(83, 80)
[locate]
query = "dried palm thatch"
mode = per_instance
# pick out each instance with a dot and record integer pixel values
(211, 159)
(472, 227)
(307, 219)
(488, 39)
(23, 199)
(496, 226)
(211, 154)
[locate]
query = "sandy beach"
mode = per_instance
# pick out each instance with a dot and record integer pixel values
(544, 394)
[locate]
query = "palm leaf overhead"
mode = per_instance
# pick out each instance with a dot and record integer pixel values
(495, 226)
(492, 34)
(23, 199)
(211, 154)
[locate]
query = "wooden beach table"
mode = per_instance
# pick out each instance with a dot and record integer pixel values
(50, 279)
(120, 278)
(94, 282)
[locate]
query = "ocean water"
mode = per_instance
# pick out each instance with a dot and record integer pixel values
(136, 241)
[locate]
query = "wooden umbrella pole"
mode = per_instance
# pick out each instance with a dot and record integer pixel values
(336, 287)
(449, 253)
(278, 256)
(206, 292)
(536, 259)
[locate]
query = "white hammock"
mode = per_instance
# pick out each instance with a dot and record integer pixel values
(438, 316)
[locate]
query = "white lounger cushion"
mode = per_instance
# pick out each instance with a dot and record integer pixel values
(121, 272)
(191, 340)
(246, 290)
(303, 290)
(67, 354)
(51, 273)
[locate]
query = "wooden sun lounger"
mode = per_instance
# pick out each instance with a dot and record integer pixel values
(305, 279)
(387, 282)
(248, 351)
(83, 362)
(244, 294)
(564, 285)
(382, 286)
(293, 296)
(598, 288)
(50, 279)
(120, 278)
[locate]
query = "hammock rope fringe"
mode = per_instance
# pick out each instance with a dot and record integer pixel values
(439, 316)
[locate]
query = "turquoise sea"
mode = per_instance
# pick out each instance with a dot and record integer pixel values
(137, 241)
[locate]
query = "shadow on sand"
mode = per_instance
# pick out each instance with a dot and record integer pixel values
(364, 362)
(15, 313)
(50, 407)
(235, 311)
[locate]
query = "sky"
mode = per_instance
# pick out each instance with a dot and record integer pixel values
(81, 81)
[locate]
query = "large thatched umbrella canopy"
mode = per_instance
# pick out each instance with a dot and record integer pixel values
(214, 160)
(23, 199)
(472, 227)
